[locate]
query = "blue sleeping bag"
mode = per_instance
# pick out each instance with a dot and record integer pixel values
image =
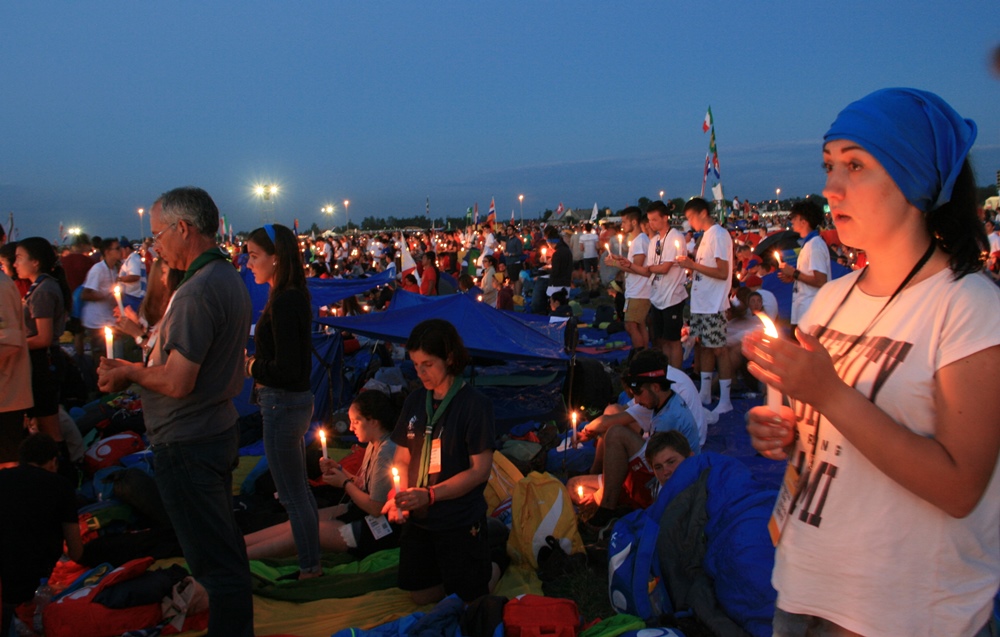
(714, 550)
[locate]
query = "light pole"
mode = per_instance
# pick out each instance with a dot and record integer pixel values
(266, 193)
(777, 199)
(328, 209)
(520, 201)
(140, 211)
(347, 212)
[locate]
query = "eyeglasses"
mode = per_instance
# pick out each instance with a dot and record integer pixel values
(156, 237)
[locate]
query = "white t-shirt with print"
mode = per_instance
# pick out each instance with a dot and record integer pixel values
(636, 286)
(667, 289)
(814, 257)
(588, 241)
(708, 295)
(858, 548)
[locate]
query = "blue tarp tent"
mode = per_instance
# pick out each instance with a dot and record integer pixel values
(322, 291)
(486, 331)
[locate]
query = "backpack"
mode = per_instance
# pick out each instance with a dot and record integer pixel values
(635, 583)
(541, 507)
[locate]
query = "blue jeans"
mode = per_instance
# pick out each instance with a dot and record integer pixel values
(195, 479)
(286, 415)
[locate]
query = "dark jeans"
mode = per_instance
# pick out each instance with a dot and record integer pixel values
(286, 416)
(196, 481)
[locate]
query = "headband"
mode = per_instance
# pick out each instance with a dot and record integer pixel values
(269, 229)
(917, 137)
(633, 380)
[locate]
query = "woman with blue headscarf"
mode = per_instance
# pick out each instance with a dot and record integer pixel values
(888, 521)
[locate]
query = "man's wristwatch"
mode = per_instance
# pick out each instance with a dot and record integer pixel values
(796, 274)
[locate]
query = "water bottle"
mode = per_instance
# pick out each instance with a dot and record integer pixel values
(43, 595)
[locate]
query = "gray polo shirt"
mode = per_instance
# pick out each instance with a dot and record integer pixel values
(208, 323)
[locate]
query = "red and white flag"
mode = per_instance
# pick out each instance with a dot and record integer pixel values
(707, 124)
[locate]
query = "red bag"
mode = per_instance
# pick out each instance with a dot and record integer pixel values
(106, 453)
(536, 616)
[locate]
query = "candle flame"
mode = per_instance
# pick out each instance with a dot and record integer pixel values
(322, 436)
(118, 290)
(769, 328)
(777, 257)
(579, 490)
(108, 333)
(395, 472)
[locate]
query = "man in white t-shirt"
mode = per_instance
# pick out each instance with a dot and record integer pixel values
(667, 292)
(812, 269)
(713, 276)
(588, 242)
(637, 286)
(132, 276)
(98, 296)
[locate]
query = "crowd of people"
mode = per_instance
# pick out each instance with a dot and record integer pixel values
(879, 367)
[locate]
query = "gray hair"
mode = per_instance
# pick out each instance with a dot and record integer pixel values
(194, 206)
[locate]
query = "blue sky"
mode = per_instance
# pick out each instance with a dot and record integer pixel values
(105, 105)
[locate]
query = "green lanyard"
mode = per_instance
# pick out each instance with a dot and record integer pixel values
(203, 259)
(433, 416)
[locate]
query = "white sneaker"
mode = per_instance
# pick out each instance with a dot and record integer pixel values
(711, 417)
(722, 408)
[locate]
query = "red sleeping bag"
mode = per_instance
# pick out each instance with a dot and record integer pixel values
(78, 615)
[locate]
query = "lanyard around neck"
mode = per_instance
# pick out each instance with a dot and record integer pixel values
(433, 416)
(909, 277)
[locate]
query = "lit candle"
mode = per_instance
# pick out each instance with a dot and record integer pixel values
(773, 395)
(543, 252)
(395, 485)
(109, 342)
(118, 297)
(322, 442)
(677, 245)
(480, 298)
(607, 246)
(620, 244)
(579, 491)
(777, 257)
(573, 438)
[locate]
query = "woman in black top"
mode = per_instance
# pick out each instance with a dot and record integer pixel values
(46, 308)
(280, 368)
(443, 548)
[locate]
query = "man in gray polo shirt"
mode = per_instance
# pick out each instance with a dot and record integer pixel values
(195, 369)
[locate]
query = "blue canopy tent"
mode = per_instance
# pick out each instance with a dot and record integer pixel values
(555, 331)
(322, 291)
(486, 331)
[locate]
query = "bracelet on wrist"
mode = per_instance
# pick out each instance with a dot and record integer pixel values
(430, 496)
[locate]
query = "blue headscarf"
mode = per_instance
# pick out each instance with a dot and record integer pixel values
(917, 137)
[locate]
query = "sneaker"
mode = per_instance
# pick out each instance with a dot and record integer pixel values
(722, 408)
(711, 417)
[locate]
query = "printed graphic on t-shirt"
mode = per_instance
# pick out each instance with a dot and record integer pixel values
(867, 362)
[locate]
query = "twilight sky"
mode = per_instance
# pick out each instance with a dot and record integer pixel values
(104, 105)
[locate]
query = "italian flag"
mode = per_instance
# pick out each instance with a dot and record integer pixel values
(707, 124)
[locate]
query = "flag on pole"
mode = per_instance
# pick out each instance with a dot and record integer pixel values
(428, 210)
(708, 123)
(230, 233)
(475, 214)
(717, 192)
(406, 262)
(593, 215)
(62, 237)
(10, 228)
(704, 176)
(222, 227)
(295, 228)
(512, 216)
(492, 216)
